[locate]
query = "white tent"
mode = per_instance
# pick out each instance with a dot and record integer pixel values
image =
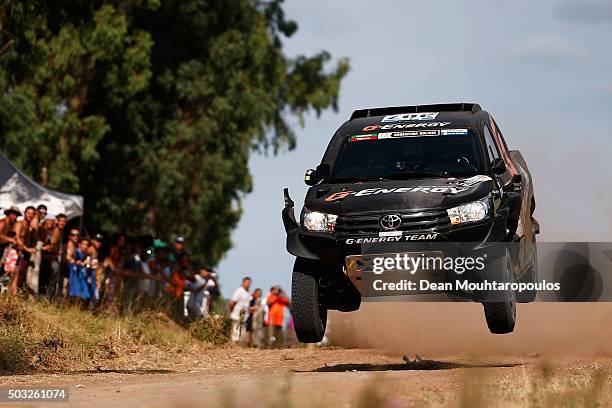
(19, 190)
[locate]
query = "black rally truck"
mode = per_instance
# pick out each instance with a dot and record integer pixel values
(415, 175)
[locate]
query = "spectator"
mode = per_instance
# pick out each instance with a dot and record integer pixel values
(7, 225)
(82, 276)
(41, 214)
(199, 286)
(115, 261)
(254, 320)
(26, 231)
(97, 262)
(277, 302)
(178, 253)
(175, 288)
(238, 307)
(55, 249)
(45, 235)
(9, 262)
(176, 273)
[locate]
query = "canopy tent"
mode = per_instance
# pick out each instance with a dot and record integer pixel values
(18, 189)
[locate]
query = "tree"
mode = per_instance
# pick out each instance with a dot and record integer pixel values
(150, 109)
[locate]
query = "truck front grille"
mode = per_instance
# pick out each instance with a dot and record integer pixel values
(369, 223)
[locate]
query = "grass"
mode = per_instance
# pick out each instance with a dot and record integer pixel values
(213, 330)
(537, 387)
(39, 335)
(544, 386)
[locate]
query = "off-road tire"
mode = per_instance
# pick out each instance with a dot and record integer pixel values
(501, 315)
(309, 314)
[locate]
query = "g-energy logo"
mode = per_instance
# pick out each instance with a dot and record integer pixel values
(410, 116)
(341, 195)
(398, 238)
(371, 128)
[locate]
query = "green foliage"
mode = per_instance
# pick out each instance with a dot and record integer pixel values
(150, 109)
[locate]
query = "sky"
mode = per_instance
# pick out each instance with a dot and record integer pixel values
(542, 69)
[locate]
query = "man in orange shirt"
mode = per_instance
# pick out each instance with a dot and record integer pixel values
(277, 302)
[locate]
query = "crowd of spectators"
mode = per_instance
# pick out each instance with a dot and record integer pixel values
(258, 320)
(44, 255)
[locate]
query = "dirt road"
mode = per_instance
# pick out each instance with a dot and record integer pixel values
(558, 351)
(307, 377)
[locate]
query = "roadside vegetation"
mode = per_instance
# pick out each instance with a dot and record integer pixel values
(537, 387)
(40, 335)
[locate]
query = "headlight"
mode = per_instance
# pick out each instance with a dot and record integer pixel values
(318, 221)
(470, 212)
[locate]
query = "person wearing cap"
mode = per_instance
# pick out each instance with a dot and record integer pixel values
(7, 224)
(175, 281)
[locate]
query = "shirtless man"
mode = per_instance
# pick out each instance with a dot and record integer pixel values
(7, 225)
(26, 231)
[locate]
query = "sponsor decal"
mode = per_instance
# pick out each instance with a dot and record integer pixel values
(374, 191)
(371, 128)
(459, 187)
(472, 181)
(359, 138)
(451, 132)
(390, 234)
(409, 133)
(410, 116)
(340, 195)
(423, 189)
(399, 238)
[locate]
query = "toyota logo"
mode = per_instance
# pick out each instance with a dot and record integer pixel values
(390, 221)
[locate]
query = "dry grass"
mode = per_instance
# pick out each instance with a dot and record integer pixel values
(38, 335)
(544, 386)
(214, 330)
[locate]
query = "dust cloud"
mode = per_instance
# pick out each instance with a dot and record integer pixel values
(459, 329)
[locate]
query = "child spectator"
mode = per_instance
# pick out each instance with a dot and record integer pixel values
(10, 256)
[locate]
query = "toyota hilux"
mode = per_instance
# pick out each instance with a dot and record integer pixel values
(398, 178)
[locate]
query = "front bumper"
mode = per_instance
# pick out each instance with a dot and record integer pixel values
(333, 248)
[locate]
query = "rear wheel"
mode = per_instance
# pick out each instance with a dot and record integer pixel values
(309, 313)
(500, 312)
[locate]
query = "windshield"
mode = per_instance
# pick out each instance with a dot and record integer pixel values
(397, 155)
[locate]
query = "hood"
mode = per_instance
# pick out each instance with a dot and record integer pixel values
(397, 195)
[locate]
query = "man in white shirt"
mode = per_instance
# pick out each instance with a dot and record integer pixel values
(238, 309)
(198, 299)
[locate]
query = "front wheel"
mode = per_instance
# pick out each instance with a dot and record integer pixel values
(500, 314)
(309, 314)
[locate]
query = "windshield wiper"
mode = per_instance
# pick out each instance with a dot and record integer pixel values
(414, 174)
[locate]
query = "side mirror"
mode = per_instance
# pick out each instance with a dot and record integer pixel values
(310, 177)
(498, 166)
(313, 177)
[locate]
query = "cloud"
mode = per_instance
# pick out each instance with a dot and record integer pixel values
(587, 11)
(549, 49)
